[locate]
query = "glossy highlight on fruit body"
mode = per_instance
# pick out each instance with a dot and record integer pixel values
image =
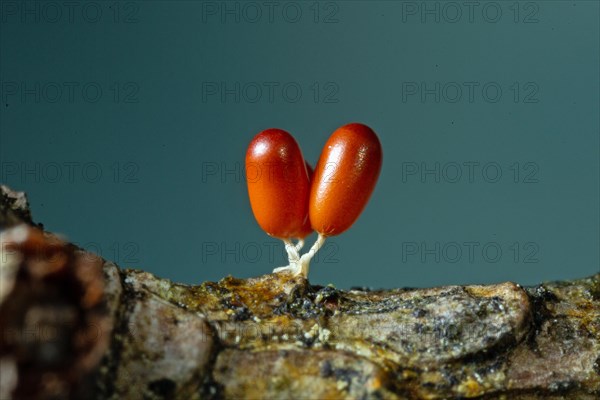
(278, 184)
(344, 178)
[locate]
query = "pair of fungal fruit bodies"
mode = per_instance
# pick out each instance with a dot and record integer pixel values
(289, 200)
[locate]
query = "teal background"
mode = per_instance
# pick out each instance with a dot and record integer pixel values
(161, 141)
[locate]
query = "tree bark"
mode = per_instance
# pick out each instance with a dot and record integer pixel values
(76, 326)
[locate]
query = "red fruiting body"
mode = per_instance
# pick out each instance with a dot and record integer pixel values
(278, 184)
(344, 178)
(307, 227)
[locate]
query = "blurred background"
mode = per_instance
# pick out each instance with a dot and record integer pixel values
(127, 122)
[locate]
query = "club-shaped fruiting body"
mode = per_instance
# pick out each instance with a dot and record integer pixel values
(289, 200)
(278, 184)
(344, 178)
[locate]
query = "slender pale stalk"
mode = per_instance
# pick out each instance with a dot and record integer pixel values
(293, 257)
(300, 265)
(292, 250)
(304, 262)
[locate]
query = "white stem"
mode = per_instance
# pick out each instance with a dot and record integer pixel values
(293, 258)
(304, 262)
(300, 265)
(291, 250)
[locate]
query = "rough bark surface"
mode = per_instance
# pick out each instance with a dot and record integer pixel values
(77, 326)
